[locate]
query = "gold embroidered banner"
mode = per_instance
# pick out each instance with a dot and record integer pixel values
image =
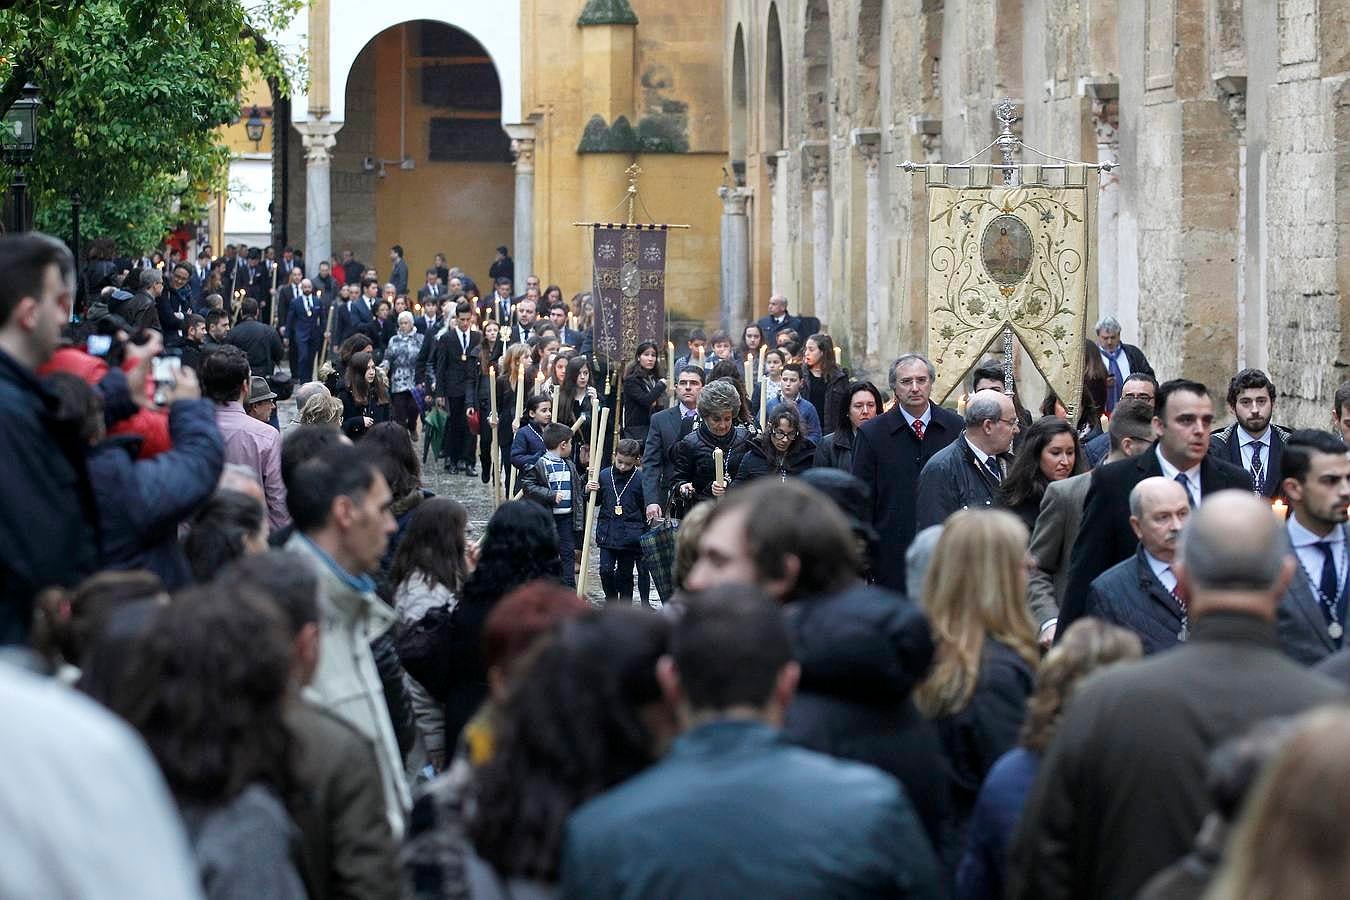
(1022, 257)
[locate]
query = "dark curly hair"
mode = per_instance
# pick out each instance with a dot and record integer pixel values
(207, 690)
(571, 729)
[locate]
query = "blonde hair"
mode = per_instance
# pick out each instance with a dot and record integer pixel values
(1290, 840)
(686, 540)
(321, 409)
(976, 587)
(1088, 645)
(510, 366)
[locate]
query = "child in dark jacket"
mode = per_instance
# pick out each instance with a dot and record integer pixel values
(620, 522)
(552, 482)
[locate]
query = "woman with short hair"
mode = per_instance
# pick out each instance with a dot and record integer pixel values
(693, 480)
(400, 361)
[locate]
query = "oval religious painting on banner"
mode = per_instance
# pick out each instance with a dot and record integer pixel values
(1006, 249)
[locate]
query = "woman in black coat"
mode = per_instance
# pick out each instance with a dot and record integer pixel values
(780, 450)
(826, 382)
(693, 480)
(860, 403)
(644, 392)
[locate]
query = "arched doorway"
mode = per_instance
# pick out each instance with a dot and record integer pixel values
(422, 159)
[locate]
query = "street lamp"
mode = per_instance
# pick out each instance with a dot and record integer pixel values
(18, 140)
(254, 127)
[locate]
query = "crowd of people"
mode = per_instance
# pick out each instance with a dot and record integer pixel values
(900, 650)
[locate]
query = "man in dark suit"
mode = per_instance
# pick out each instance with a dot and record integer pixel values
(325, 285)
(667, 428)
(523, 327)
(499, 305)
(289, 294)
(352, 268)
(304, 328)
(287, 263)
(1140, 593)
(779, 319)
(966, 474)
(435, 315)
(362, 308)
(456, 363)
(432, 291)
(398, 270)
(1252, 442)
(1121, 791)
(891, 450)
(201, 272)
(1120, 359)
(1316, 479)
(1182, 422)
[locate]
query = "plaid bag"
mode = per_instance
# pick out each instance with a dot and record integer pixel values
(658, 555)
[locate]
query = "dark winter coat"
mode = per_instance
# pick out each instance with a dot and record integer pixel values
(954, 479)
(620, 532)
(987, 727)
(888, 458)
(526, 447)
(756, 463)
(641, 398)
(1129, 595)
(534, 482)
(260, 343)
(47, 536)
(835, 450)
(694, 462)
(141, 503)
(830, 399)
(862, 653)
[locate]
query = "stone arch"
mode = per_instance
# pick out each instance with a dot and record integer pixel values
(816, 51)
(774, 118)
(422, 140)
(353, 24)
(740, 114)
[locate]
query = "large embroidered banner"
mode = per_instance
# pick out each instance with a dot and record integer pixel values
(630, 289)
(1021, 257)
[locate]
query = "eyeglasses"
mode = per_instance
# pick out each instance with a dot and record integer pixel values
(1010, 422)
(784, 435)
(920, 381)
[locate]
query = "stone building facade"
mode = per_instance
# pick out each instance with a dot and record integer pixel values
(1224, 235)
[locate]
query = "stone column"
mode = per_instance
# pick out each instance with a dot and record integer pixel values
(869, 147)
(780, 267)
(319, 139)
(735, 255)
(1251, 330)
(816, 162)
(522, 148)
(1106, 125)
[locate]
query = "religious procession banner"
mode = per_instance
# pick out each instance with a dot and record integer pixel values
(630, 288)
(1011, 257)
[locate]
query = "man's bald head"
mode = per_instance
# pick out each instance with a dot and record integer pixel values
(1234, 555)
(1159, 508)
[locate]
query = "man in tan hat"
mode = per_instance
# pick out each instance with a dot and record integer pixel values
(262, 400)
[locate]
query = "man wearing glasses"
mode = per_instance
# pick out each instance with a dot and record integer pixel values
(967, 473)
(889, 453)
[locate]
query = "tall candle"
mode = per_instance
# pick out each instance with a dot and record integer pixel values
(1105, 422)
(763, 402)
(749, 370)
(838, 356)
(1280, 510)
(961, 405)
(763, 349)
(718, 458)
(699, 354)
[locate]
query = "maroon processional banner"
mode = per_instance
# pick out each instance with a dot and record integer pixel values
(630, 288)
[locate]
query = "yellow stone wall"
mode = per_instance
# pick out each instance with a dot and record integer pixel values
(677, 58)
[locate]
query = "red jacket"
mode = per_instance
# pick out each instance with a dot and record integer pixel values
(149, 424)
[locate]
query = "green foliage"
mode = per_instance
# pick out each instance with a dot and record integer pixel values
(132, 94)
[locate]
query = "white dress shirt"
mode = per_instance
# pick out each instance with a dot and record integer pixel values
(1310, 558)
(1245, 448)
(1162, 571)
(1192, 474)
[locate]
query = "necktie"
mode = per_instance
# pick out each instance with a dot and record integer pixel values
(1258, 476)
(309, 307)
(1329, 587)
(1113, 368)
(1185, 483)
(991, 463)
(918, 428)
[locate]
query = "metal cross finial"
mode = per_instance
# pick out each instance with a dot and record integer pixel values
(633, 172)
(1006, 111)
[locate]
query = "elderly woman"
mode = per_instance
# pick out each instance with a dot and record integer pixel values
(693, 480)
(400, 361)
